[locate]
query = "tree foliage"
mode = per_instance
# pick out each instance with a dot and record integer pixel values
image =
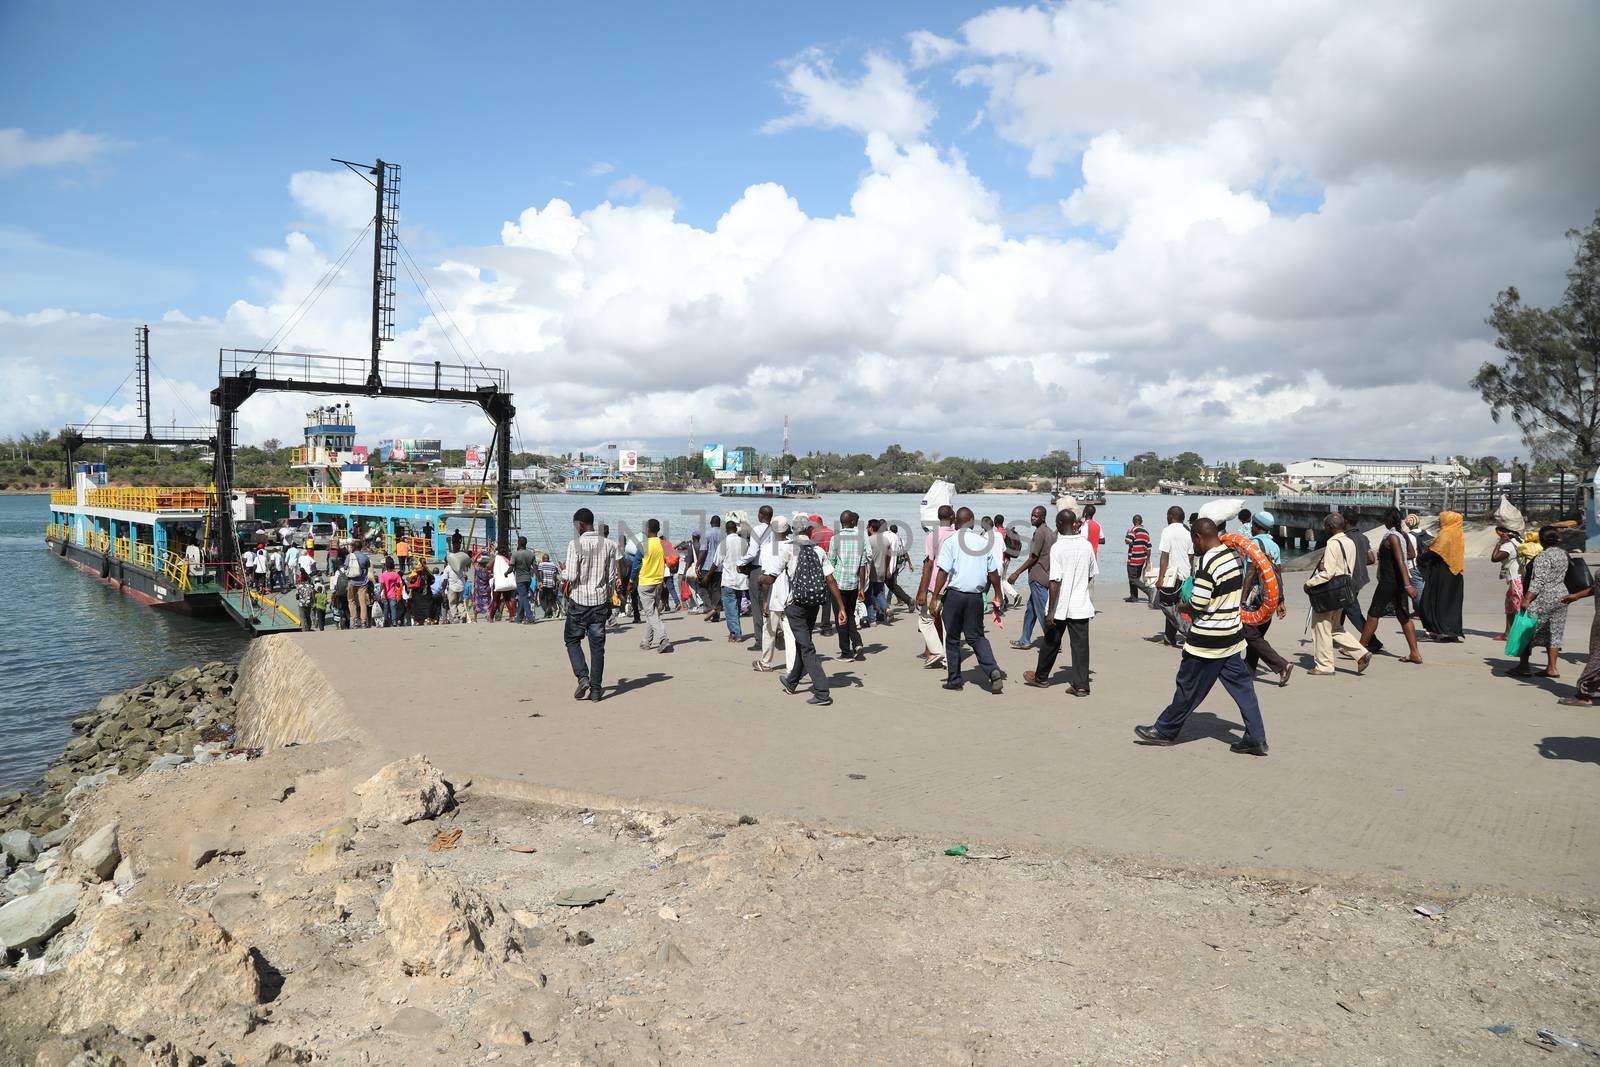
(1549, 380)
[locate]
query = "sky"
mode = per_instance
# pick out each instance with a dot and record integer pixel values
(1246, 229)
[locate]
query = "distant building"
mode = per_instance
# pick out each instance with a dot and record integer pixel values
(1324, 471)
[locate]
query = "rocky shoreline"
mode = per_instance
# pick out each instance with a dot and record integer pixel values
(161, 723)
(207, 905)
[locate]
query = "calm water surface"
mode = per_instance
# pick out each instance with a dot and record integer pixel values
(68, 640)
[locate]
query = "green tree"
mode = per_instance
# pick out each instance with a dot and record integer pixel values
(1549, 380)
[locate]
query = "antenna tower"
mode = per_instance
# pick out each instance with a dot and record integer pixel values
(785, 451)
(385, 181)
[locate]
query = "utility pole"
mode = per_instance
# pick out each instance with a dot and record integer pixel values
(141, 364)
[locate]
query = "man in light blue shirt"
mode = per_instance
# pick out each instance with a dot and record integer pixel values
(965, 565)
(1261, 524)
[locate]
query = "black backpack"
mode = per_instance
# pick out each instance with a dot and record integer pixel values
(807, 585)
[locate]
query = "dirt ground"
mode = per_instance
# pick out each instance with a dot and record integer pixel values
(725, 943)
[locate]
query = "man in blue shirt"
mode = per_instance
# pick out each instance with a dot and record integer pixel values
(1261, 524)
(965, 566)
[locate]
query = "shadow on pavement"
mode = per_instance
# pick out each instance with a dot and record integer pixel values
(628, 685)
(1576, 749)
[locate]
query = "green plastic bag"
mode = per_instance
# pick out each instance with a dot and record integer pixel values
(1520, 637)
(1186, 590)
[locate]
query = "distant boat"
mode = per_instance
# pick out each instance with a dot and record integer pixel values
(600, 486)
(768, 488)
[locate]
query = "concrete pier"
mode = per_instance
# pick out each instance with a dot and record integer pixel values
(1443, 773)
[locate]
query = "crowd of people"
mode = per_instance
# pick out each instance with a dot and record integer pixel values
(793, 580)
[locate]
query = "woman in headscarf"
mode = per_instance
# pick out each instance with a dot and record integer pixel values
(481, 592)
(1545, 596)
(1443, 564)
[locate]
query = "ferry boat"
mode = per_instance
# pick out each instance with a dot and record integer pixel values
(147, 542)
(768, 488)
(600, 486)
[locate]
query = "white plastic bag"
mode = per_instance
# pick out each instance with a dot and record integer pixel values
(939, 494)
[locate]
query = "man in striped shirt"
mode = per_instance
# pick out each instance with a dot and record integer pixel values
(1212, 648)
(1138, 541)
(849, 565)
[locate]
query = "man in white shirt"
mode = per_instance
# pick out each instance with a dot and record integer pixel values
(774, 586)
(1073, 567)
(1175, 548)
(734, 581)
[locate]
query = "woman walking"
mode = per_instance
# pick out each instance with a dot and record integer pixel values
(481, 593)
(389, 584)
(1546, 597)
(420, 587)
(1443, 565)
(1394, 592)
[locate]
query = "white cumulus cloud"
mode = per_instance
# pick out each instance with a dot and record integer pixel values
(881, 100)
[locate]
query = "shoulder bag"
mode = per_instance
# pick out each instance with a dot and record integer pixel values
(1335, 594)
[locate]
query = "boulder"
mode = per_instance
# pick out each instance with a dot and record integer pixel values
(20, 846)
(54, 837)
(32, 920)
(88, 783)
(530, 1016)
(99, 855)
(437, 926)
(151, 963)
(169, 762)
(404, 791)
(26, 880)
(207, 845)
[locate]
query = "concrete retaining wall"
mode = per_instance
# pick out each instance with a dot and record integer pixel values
(283, 696)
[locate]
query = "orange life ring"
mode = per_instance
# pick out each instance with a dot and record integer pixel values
(1272, 593)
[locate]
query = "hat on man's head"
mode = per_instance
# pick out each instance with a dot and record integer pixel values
(1264, 520)
(801, 522)
(779, 524)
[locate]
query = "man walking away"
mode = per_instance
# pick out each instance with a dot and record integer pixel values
(734, 581)
(966, 562)
(652, 572)
(1137, 540)
(774, 582)
(811, 589)
(1255, 636)
(1359, 576)
(590, 571)
(760, 536)
(880, 558)
(358, 569)
(1212, 650)
(847, 567)
(549, 577)
(1073, 567)
(523, 564)
(901, 563)
(1037, 567)
(708, 569)
(1327, 627)
(1173, 563)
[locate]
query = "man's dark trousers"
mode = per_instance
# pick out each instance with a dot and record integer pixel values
(581, 621)
(849, 636)
(963, 618)
(1076, 632)
(1196, 676)
(802, 620)
(1258, 651)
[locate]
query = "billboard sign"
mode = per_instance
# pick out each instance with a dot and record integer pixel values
(627, 461)
(475, 455)
(725, 476)
(712, 454)
(735, 460)
(416, 450)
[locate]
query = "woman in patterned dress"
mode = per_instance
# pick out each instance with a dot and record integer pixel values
(1545, 596)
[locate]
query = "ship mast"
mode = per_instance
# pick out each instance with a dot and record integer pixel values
(385, 181)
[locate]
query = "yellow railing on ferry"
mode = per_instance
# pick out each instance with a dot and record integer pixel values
(416, 547)
(428, 497)
(151, 498)
(63, 496)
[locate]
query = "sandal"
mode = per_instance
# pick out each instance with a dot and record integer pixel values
(1575, 702)
(1545, 674)
(1408, 659)
(1519, 672)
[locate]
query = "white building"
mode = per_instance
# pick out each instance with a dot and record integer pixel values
(1332, 472)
